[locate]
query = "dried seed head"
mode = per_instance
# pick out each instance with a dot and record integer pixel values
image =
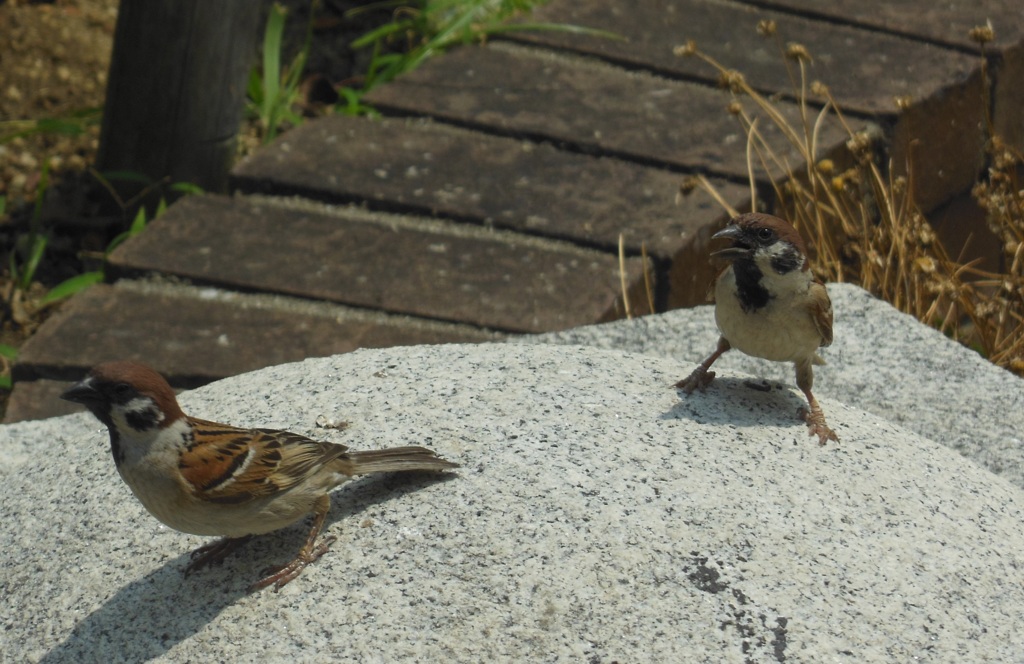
(688, 185)
(766, 27)
(903, 102)
(686, 50)
(819, 89)
(925, 264)
(825, 166)
(860, 145)
(982, 34)
(985, 309)
(795, 51)
(1005, 159)
(733, 80)
(734, 108)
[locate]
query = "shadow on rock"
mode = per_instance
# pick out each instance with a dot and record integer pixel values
(149, 616)
(741, 403)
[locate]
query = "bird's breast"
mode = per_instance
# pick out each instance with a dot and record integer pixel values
(167, 496)
(781, 330)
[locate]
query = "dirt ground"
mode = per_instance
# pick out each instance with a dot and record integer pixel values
(54, 65)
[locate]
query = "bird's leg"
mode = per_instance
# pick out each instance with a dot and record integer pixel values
(280, 576)
(701, 377)
(814, 417)
(213, 553)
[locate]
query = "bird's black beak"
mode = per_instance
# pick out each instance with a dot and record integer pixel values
(739, 249)
(83, 393)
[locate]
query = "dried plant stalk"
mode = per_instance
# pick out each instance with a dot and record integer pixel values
(866, 228)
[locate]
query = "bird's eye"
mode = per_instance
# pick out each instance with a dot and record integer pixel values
(765, 234)
(122, 389)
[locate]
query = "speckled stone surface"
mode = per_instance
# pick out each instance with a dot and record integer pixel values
(882, 361)
(598, 516)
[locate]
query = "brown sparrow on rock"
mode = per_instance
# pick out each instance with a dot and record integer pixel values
(767, 304)
(206, 478)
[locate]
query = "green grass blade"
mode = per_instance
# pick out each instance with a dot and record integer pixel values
(28, 271)
(272, 58)
(138, 223)
(71, 286)
(382, 33)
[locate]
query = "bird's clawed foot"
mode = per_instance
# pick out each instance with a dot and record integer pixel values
(700, 377)
(816, 426)
(279, 576)
(213, 553)
(697, 380)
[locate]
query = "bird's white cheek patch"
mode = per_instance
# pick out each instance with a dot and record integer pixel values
(143, 404)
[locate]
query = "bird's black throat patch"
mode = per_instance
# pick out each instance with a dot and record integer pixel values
(752, 294)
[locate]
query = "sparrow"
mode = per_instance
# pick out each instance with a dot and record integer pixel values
(206, 478)
(769, 305)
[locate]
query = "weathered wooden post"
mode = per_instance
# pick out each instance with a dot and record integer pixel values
(177, 87)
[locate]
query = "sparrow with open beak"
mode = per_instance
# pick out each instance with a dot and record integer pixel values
(206, 478)
(768, 304)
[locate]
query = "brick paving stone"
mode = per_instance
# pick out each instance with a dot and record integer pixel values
(593, 107)
(865, 70)
(1008, 106)
(943, 22)
(430, 168)
(37, 400)
(947, 23)
(195, 335)
(450, 272)
(937, 123)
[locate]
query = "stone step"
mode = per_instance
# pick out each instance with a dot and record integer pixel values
(865, 70)
(197, 335)
(592, 107)
(937, 124)
(434, 169)
(947, 23)
(436, 270)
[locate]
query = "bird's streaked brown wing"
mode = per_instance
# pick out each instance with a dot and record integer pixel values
(821, 312)
(226, 464)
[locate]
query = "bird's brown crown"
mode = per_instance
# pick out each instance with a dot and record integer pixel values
(752, 221)
(144, 380)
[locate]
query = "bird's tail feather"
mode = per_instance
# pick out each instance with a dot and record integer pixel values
(394, 459)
